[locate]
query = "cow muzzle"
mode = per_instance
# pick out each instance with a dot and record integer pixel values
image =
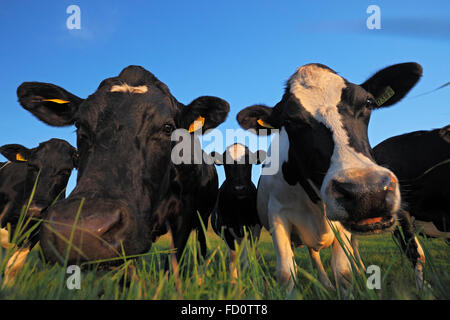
(98, 230)
(35, 211)
(370, 199)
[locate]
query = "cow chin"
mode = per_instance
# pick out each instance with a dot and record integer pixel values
(372, 225)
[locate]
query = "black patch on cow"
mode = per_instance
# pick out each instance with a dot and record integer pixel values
(400, 77)
(427, 198)
(355, 110)
(418, 159)
(32, 95)
(410, 155)
(311, 145)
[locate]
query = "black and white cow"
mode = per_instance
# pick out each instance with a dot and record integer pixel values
(421, 162)
(53, 161)
(327, 170)
(133, 191)
(236, 208)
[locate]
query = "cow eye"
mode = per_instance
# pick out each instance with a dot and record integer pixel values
(168, 128)
(370, 102)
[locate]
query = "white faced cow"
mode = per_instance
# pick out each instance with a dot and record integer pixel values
(327, 171)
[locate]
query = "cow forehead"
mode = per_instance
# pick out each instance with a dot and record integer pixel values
(136, 76)
(118, 102)
(236, 151)
(55, 146)
(318, 89)
(54, 150)
(124, 87)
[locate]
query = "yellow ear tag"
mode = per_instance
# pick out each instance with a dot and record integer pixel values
(263, 124)
(385, 96)
(59, 101)
(197, 124)
(20, 158)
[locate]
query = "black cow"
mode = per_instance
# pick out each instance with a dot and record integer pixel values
(53, 161)
(420, 160)
(133, 191)
(326, 165)
(236, 208)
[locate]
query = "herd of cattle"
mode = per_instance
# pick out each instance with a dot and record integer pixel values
(129, 192)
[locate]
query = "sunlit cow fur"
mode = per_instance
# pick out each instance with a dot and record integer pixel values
(328, 171)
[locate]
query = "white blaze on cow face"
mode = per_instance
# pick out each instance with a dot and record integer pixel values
(319, 91)
(236, 151)
(126, 88)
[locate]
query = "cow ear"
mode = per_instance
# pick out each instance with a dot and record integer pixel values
(218, 158)
(256, 118)
(15, 152)
(204, 113)
(49, 103)
(445, 133)
(391, 84)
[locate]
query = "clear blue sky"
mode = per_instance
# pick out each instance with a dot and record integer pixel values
(242, 51)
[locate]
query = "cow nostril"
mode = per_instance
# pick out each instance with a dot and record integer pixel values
(239, 188)
(103, 225)
(99, 233)
(343, 189)
(35, 211)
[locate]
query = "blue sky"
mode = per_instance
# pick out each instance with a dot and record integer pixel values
(241, 51)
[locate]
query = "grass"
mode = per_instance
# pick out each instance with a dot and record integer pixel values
(210, 279)
(147, 278)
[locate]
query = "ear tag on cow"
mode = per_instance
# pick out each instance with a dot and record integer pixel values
(385, 96)
(58, 101)
(264, 124)
(197, 124)
(20, 158)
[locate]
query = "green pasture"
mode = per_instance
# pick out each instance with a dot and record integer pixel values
(147, 278)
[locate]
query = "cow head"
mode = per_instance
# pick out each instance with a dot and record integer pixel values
(237, 161)
(54, 161)
(325, 118)
(124, 140)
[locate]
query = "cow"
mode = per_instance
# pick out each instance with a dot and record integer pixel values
(328, 179)
(50, 165)
(236, 213)
(420, 160)
(129, 190)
